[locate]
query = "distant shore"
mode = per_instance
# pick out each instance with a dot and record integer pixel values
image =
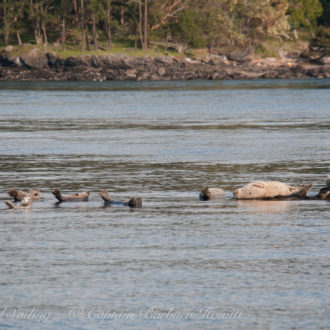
(35, 66)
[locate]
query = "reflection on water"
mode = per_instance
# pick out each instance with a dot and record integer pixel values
(266, 261)
(167, 85)
(264, 206)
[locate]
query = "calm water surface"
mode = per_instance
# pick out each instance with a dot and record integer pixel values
(177, 262)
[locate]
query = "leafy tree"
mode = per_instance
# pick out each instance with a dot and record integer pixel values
(188, 29)
(304, 13)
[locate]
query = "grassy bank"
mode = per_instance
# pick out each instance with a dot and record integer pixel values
(276, 48)
(74, 51)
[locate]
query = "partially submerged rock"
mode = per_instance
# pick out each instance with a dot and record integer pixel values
(18, 195)
(77, 197)
(135, 202)
(209, 193)
(271, 190)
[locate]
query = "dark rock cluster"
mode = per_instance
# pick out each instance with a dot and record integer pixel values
(35, 66)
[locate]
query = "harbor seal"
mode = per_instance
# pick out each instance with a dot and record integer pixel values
(77, 197)
(25, 203)
(18, 195)
(135, 202)
(270, 190)
(324, 193)
(209, 193)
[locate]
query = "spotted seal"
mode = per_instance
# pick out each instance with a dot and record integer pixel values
(77, 197)
(25, 203)
(18, 195)
(135, 202)
(209, 193)
(271, 190)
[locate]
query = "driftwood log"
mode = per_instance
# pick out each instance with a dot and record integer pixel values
(77, 197)
(135, 202)
(18, 195)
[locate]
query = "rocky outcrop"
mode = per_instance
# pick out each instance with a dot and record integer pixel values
(36, 66)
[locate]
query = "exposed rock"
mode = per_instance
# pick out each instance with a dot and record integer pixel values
(34, 59)
(325, 60)
(36, 66)
(53, 61)
(238, 57)
(9, 48)
(161, 71)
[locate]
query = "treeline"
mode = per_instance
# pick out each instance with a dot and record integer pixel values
(197, 23)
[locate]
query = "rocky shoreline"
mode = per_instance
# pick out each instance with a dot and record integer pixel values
(35, 66)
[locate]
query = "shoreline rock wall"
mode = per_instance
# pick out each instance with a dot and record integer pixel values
(38, 67)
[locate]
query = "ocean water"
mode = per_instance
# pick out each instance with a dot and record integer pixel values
(177, 262)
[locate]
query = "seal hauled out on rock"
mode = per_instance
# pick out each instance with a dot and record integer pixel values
(209, 193)
(78, 197)
(135, 202)
(25, 203)
(270, 190)
(18, 195)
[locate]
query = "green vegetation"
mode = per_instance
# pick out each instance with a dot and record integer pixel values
(150, 27)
